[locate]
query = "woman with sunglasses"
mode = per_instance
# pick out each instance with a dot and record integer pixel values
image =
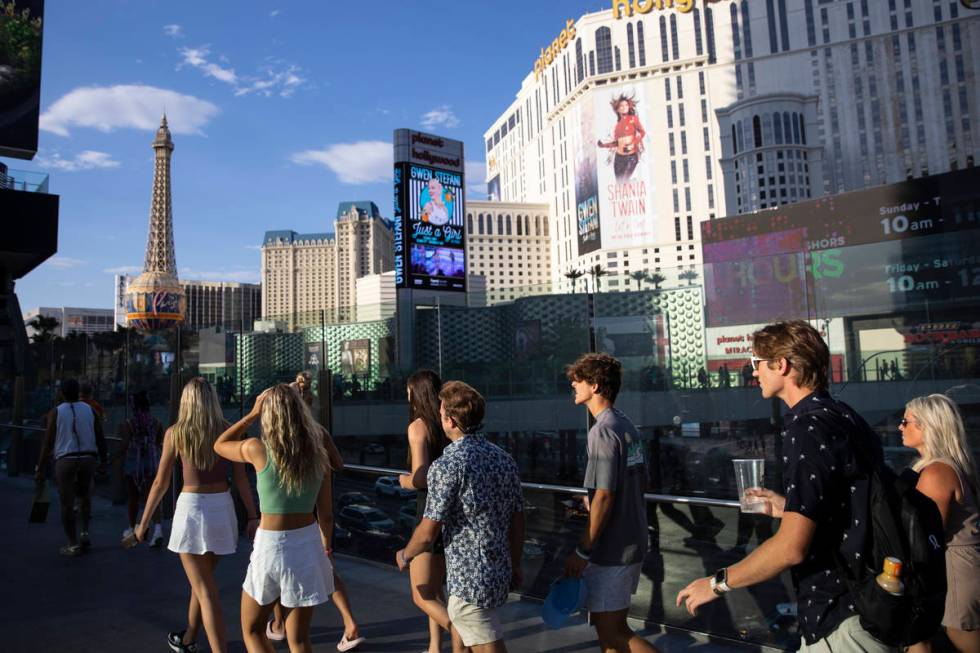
(205, 525)
(933, 426)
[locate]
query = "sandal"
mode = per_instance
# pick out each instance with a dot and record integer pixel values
(273, 635)
(349, 644)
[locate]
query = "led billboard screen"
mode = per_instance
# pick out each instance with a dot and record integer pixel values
(429, 213)
(21, 30)
(881, 250)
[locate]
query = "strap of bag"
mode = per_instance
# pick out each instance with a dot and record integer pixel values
(74, 430)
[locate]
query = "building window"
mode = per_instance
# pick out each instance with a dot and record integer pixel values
(579, 63)
(698, 44)
(710, 29)
(673, 36)
(631, 50)
(664, 54)
(771, 19)
(756, 131)
(736, 37)
(641, 46)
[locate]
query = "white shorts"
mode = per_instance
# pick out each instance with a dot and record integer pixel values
(204, 523)
(610, 587)
(474, 624)
(290, 566)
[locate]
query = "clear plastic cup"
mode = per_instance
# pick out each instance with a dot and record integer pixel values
(750, 473)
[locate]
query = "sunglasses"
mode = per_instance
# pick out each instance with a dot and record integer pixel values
(905, 422)
(756, 360)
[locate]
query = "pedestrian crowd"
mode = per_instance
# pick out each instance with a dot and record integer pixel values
(465, 554)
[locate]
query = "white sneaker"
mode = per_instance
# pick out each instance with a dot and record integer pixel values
(157, 538)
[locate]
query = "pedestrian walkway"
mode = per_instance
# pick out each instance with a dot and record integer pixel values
(114, 599)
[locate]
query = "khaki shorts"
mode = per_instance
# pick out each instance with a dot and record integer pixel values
(474, 624)
(849, 637)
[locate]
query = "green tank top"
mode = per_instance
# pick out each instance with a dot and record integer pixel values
(273, 498)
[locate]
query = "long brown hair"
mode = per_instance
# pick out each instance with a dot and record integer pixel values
(622, 97)
(424, 405)
(199, 423)
(293, 438)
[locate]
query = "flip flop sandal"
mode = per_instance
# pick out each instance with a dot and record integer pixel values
(349, 644)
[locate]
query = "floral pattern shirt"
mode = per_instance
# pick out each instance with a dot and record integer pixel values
(474, 491)
(825, 482)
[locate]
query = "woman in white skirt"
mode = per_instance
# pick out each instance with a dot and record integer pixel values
(290, 557)
(205, 525)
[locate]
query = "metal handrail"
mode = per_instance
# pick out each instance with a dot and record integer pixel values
(548, 487)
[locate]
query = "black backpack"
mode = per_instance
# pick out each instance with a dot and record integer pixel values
(907, 525)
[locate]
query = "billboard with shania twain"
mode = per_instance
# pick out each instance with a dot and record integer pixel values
(623, 166)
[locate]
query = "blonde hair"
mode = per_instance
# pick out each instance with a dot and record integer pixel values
(944, 436)
(293, 438)
(199, 423)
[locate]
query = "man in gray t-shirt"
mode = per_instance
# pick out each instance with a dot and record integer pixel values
(610, 553)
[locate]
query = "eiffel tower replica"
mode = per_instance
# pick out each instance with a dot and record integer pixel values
(155, 299)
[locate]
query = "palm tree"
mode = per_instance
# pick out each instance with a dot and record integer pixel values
(597, 271)
(689, 276)
(44, 329)
(639, 277)
(574, 274)
(656, 279)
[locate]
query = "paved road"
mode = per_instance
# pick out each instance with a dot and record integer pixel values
(126, 600)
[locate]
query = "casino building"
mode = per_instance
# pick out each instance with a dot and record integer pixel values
(641, 121)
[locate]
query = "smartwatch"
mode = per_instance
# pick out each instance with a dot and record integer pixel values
(719, 582)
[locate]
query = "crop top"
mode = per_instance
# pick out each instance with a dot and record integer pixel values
(273, 498)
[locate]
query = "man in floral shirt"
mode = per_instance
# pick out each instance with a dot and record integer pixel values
(475, 501)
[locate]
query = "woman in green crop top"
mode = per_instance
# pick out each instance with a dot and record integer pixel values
(290, 558)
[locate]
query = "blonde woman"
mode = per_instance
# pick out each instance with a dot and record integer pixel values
(205, 525)
(290, 559)
(948, 475)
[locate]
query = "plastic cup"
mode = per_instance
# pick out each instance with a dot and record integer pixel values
(750, 473)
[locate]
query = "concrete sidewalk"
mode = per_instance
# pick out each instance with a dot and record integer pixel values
(113, 599)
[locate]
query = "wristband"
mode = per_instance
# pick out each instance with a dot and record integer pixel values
(582, 553)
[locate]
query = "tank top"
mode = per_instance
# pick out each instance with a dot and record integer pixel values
(963, 524)
(273, 498)
(75, 431)
(194, 476)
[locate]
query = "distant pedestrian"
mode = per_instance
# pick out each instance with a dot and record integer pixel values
(205, 525)
(724, 376)
(825, 507)
(85, 395)
(703, 379)
(141, 439)
(747, 378)
(610, 553)
(426, 441)
(475, 501)
(948, 475)
(75, 437)
(291, 555)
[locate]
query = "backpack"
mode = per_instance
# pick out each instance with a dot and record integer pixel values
(907, 525)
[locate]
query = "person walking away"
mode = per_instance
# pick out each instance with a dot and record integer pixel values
(141, 438)
(426, 441)
(474, 499)
(291, 554)
(205, 525)
(824, 513)
(933, 426)
(75, 437)
(610, 553)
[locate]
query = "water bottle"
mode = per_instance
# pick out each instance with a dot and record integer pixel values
(889, 579)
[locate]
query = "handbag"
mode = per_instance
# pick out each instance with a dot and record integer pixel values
(40, 503)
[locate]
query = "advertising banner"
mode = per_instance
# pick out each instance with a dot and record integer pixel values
(623, 167)
(355, 357)
(586, 182)
(21, 31)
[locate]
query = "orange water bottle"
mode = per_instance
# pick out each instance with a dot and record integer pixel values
(890, 577)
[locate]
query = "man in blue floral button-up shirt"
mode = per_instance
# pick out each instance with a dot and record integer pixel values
(475, 501)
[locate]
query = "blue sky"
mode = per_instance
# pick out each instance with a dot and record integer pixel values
(279, 111)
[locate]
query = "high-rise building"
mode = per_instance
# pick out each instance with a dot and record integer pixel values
(509, 244)
(644, 119)
(208, 303)
(304, 274)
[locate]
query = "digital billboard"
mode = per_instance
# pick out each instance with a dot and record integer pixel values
(586, 182)
(881, 250)
(21, 31)
(429, 212)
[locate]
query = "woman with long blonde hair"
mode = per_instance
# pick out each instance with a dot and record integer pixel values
(933, 426)
(291, 554)
(205, 525)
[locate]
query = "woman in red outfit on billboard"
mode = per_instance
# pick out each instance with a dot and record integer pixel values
(627, 138)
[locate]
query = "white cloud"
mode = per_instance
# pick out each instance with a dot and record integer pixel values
(86, 160)
(134, 106)
(65, 262)
(198, 58)
(241, 276)
(274, 13)
(255, 247)
(173, 31)
(363, 162)
(124, 269)
(440, 117)
(283, 82)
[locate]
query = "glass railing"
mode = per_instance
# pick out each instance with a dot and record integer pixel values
(682, 335)
(24, 180)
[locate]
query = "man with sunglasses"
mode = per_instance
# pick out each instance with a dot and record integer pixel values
(825, 504)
